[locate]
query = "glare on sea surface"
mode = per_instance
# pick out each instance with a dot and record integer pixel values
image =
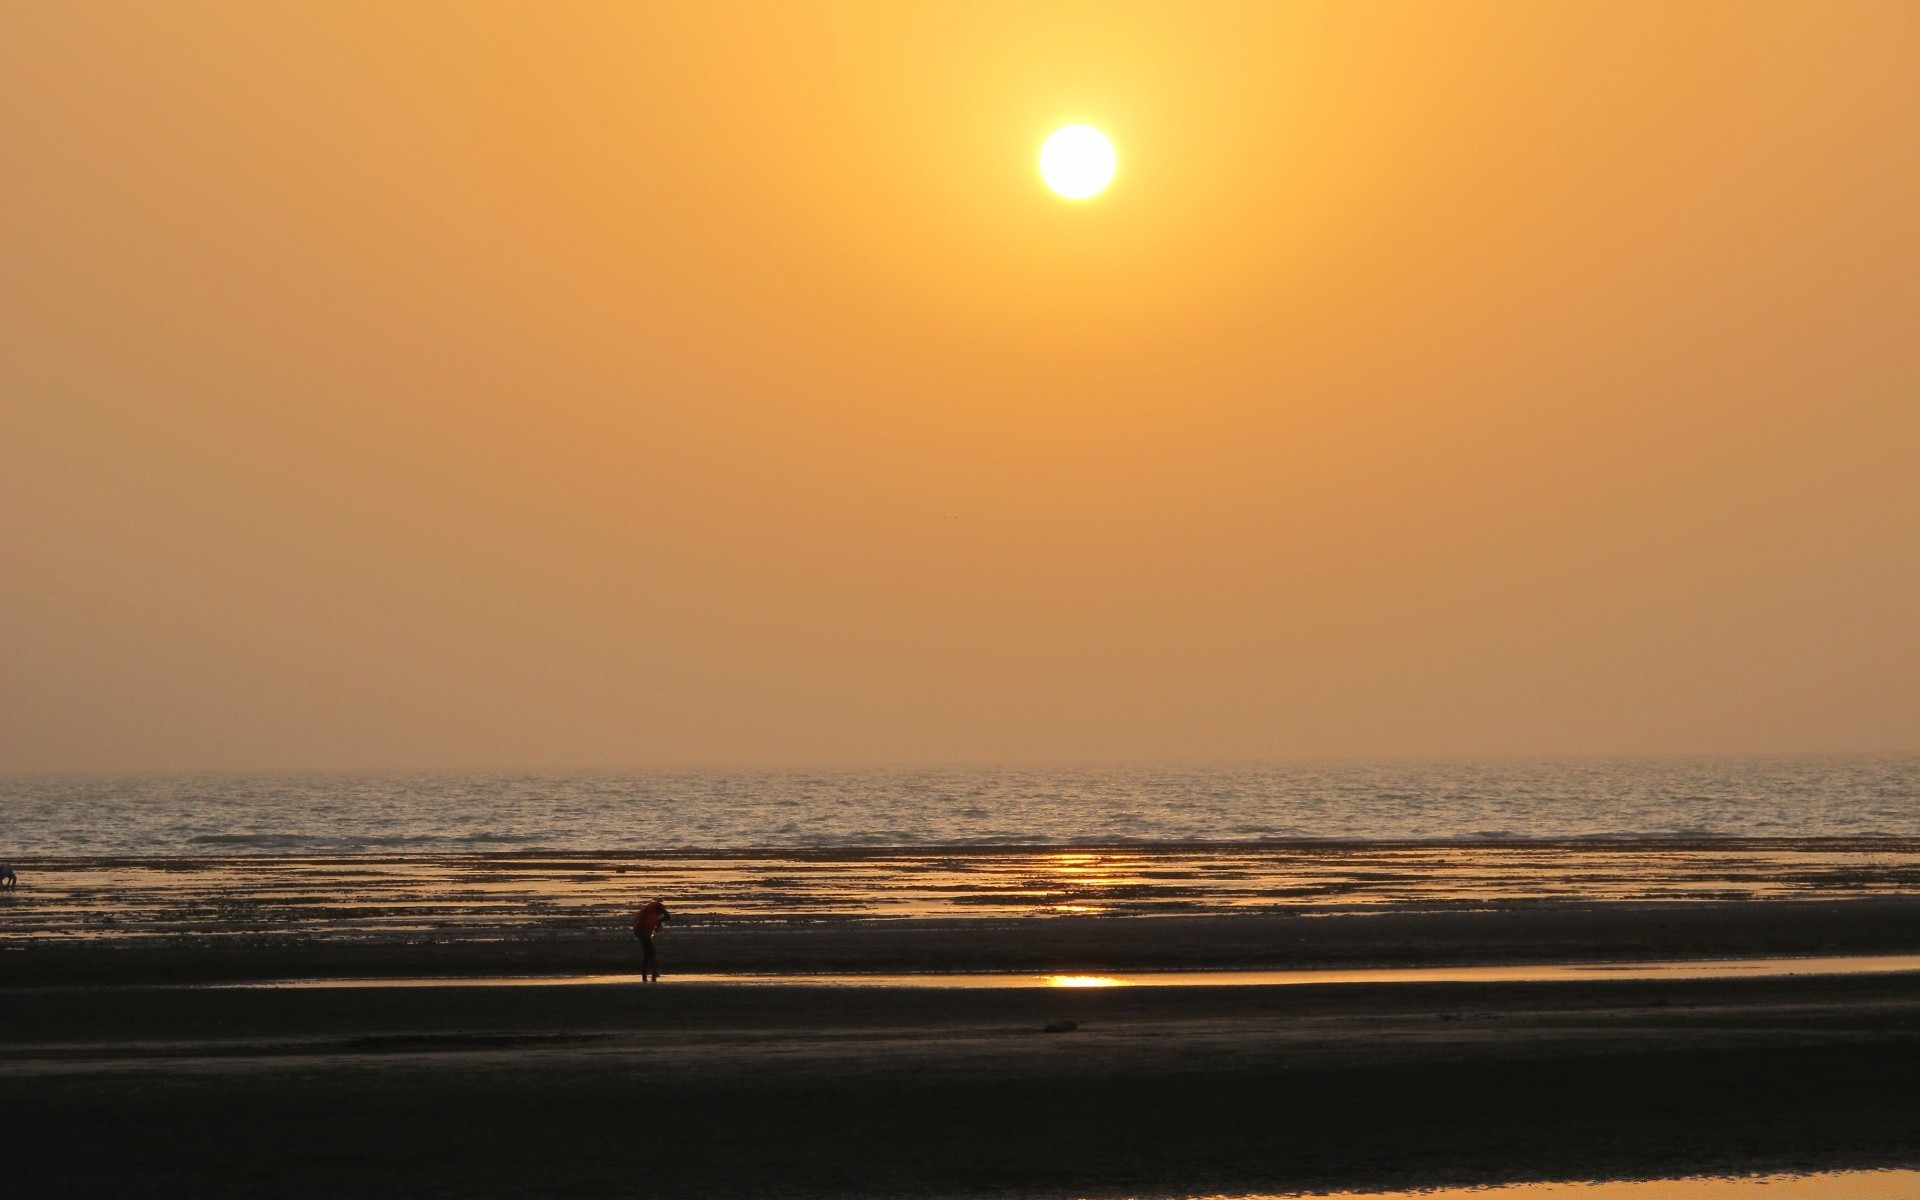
(1078, 162)
(1084, 981)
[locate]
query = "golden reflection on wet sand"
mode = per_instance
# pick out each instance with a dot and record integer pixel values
(537, 894)
(1527, 973)
(1839, 1185)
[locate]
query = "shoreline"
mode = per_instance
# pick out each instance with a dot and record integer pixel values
(1638, 972)
(269, 846)
(209, 1080)
(1511, 934)
(1091, 909)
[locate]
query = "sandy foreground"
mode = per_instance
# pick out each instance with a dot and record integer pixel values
(112, 1082)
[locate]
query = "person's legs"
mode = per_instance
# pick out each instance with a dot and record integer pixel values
(649, 964)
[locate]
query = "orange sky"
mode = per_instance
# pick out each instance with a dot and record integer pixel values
(656, 384)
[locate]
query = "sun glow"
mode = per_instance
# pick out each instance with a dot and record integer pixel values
(1084, 981)
(1078, 162)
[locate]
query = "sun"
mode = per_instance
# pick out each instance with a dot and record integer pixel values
(1078, 162)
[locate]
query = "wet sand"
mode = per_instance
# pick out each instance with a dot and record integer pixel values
(559, 895)
(124, 1069)
(1539, 932)
(1672, 969)
(691, 1090)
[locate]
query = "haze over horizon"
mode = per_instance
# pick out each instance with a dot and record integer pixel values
(436, 385)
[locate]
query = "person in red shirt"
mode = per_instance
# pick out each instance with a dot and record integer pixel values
(646, 923)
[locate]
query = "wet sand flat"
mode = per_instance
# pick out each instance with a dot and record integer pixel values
(1674, 969)
(573, 894)
(1381, 936)
(1085, 909)
(128, 1064)
(691, 1090)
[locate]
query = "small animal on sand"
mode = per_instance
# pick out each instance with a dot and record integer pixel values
(7, 878)
(646, 923)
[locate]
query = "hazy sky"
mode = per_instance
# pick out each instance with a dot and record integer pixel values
(654, 383)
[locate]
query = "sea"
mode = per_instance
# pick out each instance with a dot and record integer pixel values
(497, 812)
(507, 856)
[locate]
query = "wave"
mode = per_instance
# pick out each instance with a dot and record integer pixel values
(873, 811)
(883, 845)
(363, 843)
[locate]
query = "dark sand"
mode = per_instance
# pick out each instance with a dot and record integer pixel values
(693, 1090)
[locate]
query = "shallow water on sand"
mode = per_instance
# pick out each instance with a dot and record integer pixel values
(387, 897)
(1752, 968)
(1839, 1185)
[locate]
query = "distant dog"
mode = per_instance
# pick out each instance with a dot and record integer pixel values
(7, 878)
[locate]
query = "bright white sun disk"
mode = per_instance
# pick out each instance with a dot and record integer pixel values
(1078, 162)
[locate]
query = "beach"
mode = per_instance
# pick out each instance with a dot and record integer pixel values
(714, 1090)
(1250, 905)
(1066, 1021)
(319, 1037)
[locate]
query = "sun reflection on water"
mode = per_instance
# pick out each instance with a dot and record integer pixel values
(1084, 981)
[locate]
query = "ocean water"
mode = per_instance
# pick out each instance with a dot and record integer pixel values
(854, 809)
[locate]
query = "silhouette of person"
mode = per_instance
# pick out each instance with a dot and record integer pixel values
(646, 923)
(7, 878)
